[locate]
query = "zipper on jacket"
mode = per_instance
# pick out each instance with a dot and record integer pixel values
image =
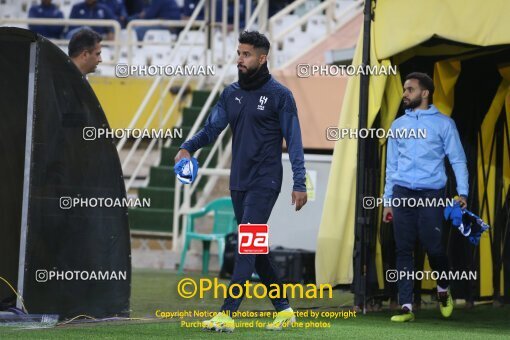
(413, 183)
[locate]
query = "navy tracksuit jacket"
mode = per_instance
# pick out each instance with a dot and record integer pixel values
(43, 11)
(259, 120)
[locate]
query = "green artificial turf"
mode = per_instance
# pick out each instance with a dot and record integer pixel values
(154, 290)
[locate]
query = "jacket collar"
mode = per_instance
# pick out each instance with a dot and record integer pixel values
(430, 111)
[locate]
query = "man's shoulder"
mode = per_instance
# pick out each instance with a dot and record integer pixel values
(234, 86)
(102, 6)
(402, 120)
(272, 86)
(443, 118)
(230, 89)
(275, 86)
(444, 122)
(80, 4)
(78, 7)
(53, 10)
(34, 9)
(158, 3)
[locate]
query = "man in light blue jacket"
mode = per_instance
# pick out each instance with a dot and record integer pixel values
(415, 172)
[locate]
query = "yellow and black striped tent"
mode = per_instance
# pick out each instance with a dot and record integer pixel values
(465, 46)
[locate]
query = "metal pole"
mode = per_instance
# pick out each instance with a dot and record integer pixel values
(496, 250)
(26, 180)
(224, 29)
(247, 12)
(236, 18)
(360, 213)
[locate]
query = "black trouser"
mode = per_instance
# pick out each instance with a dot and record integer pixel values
(254, 207)
(424, 223)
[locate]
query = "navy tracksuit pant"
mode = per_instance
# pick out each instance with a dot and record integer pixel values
(424, 223)
(253, 206)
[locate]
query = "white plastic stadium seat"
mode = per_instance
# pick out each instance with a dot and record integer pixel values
(158, 53)
(139, 58)
(232, 73)
(316, 27)
(105, 71)
(158, 57)
(218, 38)
(286, 21)
(106, 54)
(280, 57)
(157, 35)
(178, 57)
(295, 45)
(318, 20)
(66, 8)
(218, 54)
(8, 11)
(24, 7)
(123, 52)
(194, 38)
(306, 7)
(13, 8)
(124, 38)
(342, 6)
(230, 46)
(194, 57)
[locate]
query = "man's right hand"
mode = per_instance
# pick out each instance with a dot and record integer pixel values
(183, 153)
(386, 213)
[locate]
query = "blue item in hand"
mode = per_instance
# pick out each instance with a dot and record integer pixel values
(186, 170)
(469, 224)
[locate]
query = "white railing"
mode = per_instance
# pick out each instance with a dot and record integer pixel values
(333, 22)
(74, 22)
(181, 209)
(163, 94)
(116, 42)
(187, 24)
(185, 208)
(259, 16)
(178, 241)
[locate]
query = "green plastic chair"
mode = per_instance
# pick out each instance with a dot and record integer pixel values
(224, 223)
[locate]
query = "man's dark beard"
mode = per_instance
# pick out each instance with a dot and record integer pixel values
(254, 78)
(245, 76)
(413, 103)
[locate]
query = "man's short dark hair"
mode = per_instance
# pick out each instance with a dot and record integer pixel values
(424, 81)
(84, 39)
(256, 39)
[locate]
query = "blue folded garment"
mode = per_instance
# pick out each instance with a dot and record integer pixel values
(469, 224)
(186, 170)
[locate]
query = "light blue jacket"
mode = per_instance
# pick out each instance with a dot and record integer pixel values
(418, 163)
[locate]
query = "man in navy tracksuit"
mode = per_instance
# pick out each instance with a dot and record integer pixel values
(91, 9)
(46, 10)
(415, 170)
(118, 8)
(157, 9)
(261, 112)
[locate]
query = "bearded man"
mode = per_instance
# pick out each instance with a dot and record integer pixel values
(261, 112)
(415, 172)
